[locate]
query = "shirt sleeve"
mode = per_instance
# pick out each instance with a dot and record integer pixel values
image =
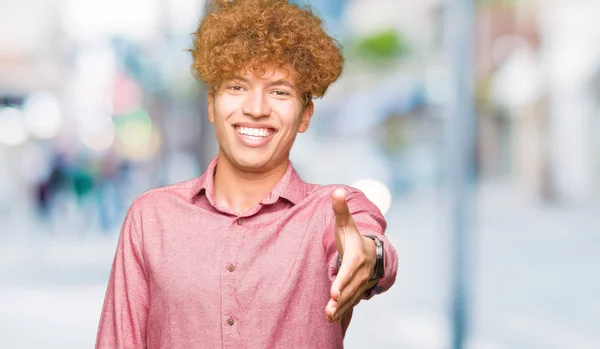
(370, 221)
(125, 310)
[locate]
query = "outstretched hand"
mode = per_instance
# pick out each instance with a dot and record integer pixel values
(358, 254)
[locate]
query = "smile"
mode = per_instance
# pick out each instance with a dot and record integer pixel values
(254, 132)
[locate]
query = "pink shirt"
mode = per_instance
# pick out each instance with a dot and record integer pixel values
(189, 274)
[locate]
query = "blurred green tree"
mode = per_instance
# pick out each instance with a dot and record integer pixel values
(383, 46)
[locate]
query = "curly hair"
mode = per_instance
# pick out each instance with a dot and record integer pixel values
(249, 34)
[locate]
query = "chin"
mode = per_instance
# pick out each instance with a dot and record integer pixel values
(250, 163)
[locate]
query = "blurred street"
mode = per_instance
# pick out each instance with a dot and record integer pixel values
(526, 296)
(98, 104)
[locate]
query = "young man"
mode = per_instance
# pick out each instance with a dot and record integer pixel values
(248, 255)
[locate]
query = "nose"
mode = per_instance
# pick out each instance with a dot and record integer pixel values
(256, 105)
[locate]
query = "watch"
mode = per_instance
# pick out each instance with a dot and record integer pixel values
(379, 259)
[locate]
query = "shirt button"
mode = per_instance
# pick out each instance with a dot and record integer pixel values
(240, 221)
(231, 267)
(230, 321)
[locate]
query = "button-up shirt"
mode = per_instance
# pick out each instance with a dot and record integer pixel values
(190, 274)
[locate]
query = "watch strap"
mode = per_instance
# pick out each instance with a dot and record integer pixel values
(379, 260)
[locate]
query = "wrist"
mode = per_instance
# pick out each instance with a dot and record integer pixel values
(371, 256)
(376, 246)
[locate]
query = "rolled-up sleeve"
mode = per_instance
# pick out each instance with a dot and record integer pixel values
(124, 314)
(370, 221)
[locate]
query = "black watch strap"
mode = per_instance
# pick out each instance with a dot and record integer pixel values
(379, 261)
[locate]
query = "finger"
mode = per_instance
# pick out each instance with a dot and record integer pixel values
(330, 310)
(346, 307)
(346, 289)
(343, 304)
(335, 292)
(345, 275)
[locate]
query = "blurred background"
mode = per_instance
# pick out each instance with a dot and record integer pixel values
(98, 104)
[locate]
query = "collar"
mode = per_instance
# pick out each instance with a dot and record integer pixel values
(290, 187)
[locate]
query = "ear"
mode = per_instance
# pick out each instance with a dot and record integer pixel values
(211, 107)
(307, 113)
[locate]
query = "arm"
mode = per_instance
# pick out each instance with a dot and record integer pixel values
(370, 221)
(124, 314)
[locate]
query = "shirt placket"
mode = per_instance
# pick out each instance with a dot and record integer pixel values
(231, 312)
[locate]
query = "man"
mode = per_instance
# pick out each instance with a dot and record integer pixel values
(247, 255)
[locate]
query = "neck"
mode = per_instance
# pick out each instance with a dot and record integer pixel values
(238, 190)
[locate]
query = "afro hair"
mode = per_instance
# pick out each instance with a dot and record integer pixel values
(249, 34)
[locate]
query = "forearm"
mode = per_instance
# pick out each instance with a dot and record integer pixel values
(390, 262)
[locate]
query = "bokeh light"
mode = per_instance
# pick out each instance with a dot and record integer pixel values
(43, 115)
(97, 131)
(376, 191)
(13, 130)
(136, 138)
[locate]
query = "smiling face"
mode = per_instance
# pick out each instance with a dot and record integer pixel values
(257, 118)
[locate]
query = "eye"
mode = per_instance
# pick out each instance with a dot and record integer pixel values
(280, 93)
(236, 88)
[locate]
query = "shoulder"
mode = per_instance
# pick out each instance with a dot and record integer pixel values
(365, 213)
(356, 199)
(316, 191)
(164, 195)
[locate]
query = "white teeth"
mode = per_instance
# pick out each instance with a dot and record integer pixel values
(255, 132)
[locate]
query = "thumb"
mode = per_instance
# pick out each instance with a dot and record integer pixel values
(340, 208)
(343, 218)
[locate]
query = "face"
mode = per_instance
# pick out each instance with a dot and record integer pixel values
(257, 117)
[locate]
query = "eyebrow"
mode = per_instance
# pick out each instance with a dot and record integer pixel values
(279, 82)
(283, 83)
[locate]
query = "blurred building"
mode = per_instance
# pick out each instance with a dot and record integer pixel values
(536, 63)
(98, 104)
